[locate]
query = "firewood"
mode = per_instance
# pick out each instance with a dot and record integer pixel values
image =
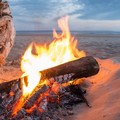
(7, 31)
(30, 101)
(82, 67)
(34, 98)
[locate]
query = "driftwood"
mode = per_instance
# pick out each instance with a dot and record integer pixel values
(7, 31)
(83, 67)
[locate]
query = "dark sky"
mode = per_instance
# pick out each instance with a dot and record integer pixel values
(83, 14)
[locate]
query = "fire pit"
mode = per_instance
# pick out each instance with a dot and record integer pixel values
(51, 81)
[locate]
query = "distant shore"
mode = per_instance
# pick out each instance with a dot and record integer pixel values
(87, 33)
(101, 46)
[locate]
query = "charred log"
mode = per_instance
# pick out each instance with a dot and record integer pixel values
(34, 98)
(75, 89)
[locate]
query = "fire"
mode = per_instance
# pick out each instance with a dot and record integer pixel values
(61, 50)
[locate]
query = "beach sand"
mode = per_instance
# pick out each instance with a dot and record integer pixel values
(103, 91)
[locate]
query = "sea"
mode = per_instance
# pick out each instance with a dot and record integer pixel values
(72, 32)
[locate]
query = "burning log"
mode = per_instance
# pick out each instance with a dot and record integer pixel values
(7, 31)
(83, 67)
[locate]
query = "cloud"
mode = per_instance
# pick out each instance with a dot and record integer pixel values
(41, 12)
(84, 14)
(99, 25)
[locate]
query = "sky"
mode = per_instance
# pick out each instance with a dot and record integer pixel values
(84, 15)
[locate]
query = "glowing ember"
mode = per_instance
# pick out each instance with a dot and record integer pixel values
(61, 50)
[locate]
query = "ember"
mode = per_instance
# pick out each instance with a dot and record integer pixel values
(51, 79)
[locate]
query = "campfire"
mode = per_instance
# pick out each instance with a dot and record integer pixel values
(52, 74)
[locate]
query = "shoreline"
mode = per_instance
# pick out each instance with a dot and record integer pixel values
(77, 34)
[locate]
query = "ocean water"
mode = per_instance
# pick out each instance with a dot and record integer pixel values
(73, 32)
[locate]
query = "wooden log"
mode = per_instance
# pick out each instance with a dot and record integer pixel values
(82, 67)
(10, 73)
(7, 31)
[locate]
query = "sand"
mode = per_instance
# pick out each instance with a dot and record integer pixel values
(103, 94)
(103, 90)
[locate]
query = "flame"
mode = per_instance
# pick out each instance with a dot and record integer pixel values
(61, 50)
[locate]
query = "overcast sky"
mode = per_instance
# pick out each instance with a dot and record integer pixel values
(83, 14)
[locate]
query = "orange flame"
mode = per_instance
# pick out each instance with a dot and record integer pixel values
(61, 50)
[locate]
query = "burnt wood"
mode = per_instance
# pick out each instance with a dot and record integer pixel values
(39, 94)
(6, 86)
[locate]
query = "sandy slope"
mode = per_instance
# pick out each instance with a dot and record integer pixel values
(103, 94)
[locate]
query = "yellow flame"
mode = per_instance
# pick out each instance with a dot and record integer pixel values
(61, 50)
(40, 57)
